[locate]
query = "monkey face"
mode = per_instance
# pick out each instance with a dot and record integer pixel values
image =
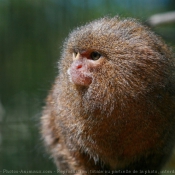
(84, 61)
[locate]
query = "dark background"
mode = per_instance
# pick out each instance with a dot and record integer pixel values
(31, 37)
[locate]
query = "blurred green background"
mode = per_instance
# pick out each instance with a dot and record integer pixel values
(31, 37)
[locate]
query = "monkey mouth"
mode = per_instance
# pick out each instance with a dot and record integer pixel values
(79, 77)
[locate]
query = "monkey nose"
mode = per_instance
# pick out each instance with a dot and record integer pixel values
(79, 66)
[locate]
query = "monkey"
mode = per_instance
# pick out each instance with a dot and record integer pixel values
(112, 106)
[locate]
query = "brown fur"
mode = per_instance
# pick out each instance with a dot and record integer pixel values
(125, 119)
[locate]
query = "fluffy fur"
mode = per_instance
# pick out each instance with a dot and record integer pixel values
(125, 119)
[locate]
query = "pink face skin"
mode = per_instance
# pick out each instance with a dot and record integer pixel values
(81, 68)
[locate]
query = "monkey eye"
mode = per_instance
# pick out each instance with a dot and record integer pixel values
(95, 55)
(75, 52)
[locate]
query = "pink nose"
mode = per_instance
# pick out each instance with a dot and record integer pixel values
(79, 66)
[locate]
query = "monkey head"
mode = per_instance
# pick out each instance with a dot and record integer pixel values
(120, 60)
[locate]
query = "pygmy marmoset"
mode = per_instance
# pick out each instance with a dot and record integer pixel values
(112, 106)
